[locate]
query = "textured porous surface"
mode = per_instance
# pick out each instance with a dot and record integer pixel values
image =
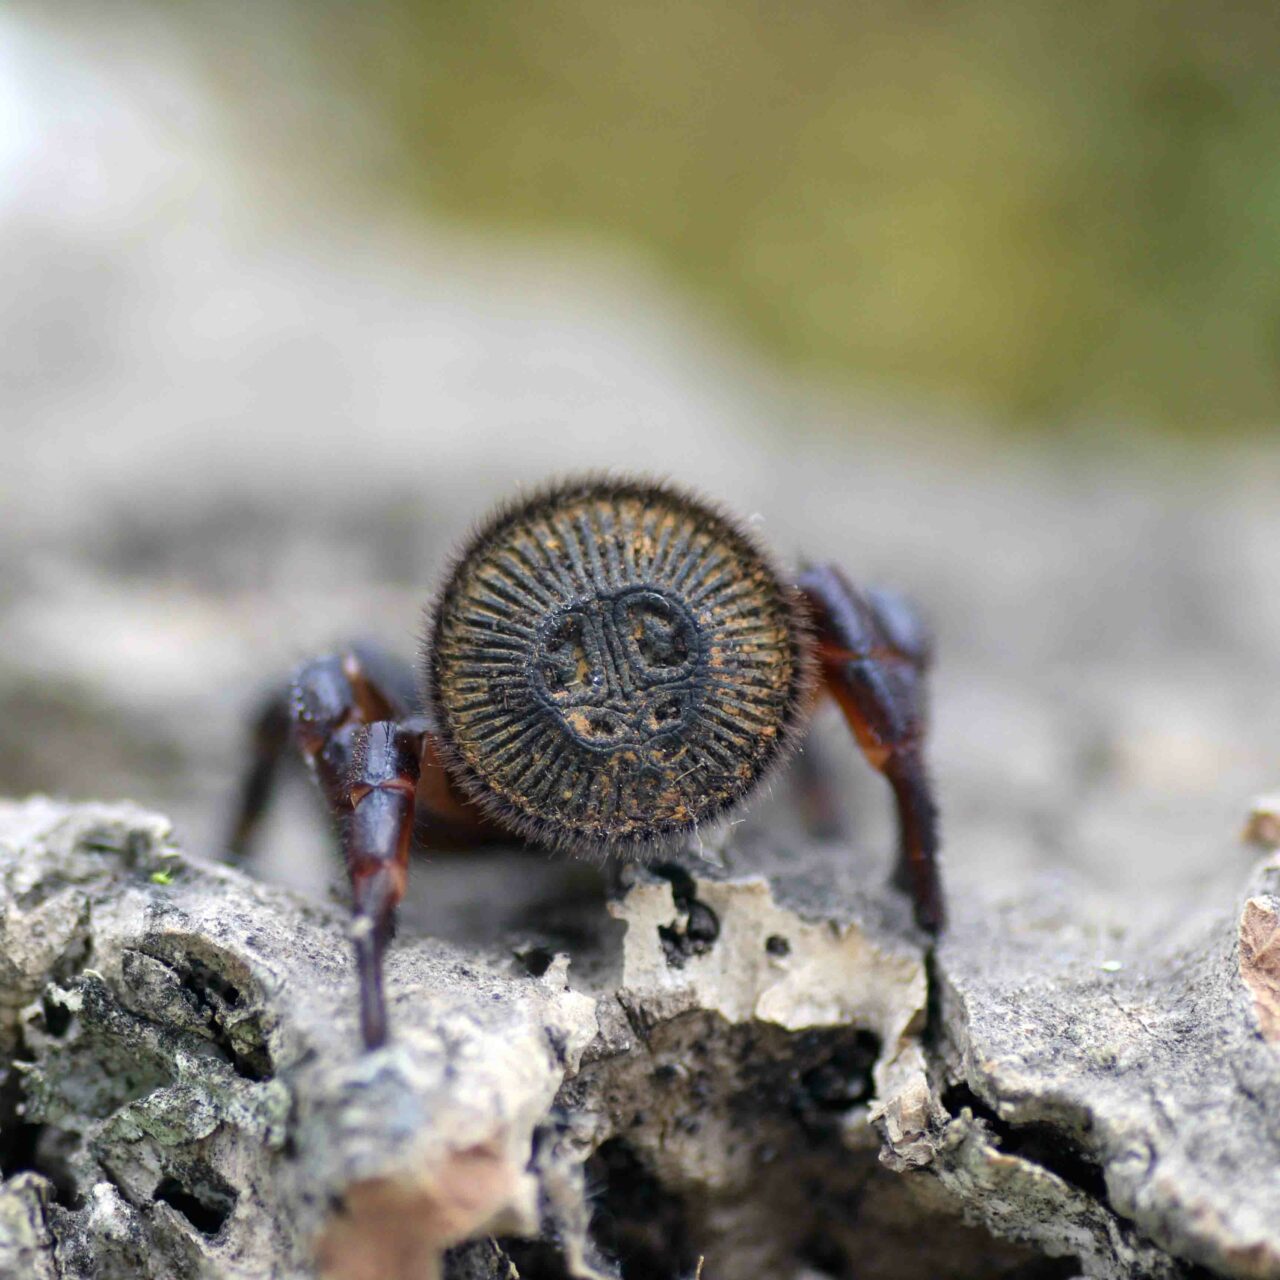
(743, 1065)
(614, 661)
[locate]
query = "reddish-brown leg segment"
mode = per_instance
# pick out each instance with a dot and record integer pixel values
(379, 827)
(873, 652)
(367, 753)
(316, 712)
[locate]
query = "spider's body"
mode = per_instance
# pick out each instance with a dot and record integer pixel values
(610, 663)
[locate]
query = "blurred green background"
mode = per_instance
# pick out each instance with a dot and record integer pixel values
(1025, 213)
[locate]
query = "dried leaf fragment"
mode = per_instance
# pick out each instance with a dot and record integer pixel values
(1262, 826)
(1260, 963)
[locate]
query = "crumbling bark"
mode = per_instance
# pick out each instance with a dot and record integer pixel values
(760, 1073)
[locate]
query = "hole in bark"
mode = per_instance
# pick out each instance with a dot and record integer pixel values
(635, 1222)
(207, 1207)
(1039, 1143)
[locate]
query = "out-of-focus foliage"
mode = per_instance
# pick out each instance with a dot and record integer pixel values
(1047, 212)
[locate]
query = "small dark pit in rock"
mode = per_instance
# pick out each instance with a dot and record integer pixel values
(57, 1017)
(536, 960)
(207, 1204)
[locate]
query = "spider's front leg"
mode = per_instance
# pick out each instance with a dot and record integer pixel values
(367, 753)
(317, 712)
(382, 796)
(873, 652)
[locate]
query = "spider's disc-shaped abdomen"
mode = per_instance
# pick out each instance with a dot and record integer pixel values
(613, 662)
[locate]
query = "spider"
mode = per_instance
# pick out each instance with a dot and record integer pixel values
(610, 663)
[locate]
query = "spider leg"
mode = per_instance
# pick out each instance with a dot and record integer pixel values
(381, 685)
(377, 766)
(873, 652)
(377, 833)
(269, 741)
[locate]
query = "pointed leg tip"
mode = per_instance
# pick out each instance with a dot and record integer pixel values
(930, 912)
(933, 925)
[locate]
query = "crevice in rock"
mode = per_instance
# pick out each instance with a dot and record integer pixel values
(1052, 1149)
(220, 997)
(1041, 1144)
(932, 1035)
(217, 1000)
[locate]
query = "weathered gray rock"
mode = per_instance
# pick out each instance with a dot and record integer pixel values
(1147, 1075)
(758, 1074)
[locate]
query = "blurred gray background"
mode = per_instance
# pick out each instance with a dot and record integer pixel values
(266, 352)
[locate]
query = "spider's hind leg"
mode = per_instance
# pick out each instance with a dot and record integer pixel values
(873, 651)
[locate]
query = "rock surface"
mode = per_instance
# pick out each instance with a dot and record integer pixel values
(751, 1068)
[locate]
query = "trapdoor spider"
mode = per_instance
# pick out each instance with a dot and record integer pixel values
(610, 663)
